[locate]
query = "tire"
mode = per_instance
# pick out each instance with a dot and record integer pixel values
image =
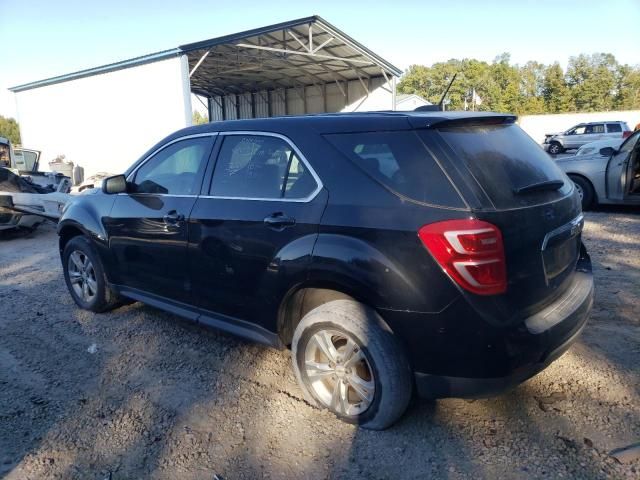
(555, 148)
(585, 190)
(378, 366)
(81, 262)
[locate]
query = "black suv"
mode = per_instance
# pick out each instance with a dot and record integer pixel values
(438, 252)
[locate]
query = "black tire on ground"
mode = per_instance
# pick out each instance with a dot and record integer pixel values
(585, 189)
(384, 357)
(555, 148)
(104, 298)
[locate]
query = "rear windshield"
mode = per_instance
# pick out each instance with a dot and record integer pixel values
(400, 161)
(504, 159)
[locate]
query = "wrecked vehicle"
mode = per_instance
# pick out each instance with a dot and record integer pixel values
(26, 204)
(28, 197)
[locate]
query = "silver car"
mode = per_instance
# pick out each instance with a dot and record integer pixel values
(606, 172)
(584, 133)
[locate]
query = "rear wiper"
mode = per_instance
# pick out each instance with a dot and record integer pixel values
(535, 187)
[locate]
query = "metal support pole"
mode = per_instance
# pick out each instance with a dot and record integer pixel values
(223, 106)
(210, 108)
(269, 104)
(253, 105)
(286, 103)
(393, 93)
(304, 100)
(193, 70)
(237, 106)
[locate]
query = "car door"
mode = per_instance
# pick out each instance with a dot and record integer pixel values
(147, 226)
(27, 160)
(592, 133)
(255, 227)
(614, 130)
(574, 137)
(621, 170)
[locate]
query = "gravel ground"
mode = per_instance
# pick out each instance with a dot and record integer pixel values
(138, 393)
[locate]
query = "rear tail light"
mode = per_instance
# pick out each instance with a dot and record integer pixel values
(626, 133)
(470, 251)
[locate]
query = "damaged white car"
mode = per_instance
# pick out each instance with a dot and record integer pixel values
(28, 197)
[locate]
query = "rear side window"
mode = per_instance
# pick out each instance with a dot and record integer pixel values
(400, 161)
(504, 159)
(260, 166)
(614, 127)
(598, 128)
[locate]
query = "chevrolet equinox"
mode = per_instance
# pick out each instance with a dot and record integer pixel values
(438, 253)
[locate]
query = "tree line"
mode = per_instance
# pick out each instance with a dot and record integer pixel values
(590, 83)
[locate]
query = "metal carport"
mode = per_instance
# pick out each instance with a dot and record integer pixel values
(301, 66)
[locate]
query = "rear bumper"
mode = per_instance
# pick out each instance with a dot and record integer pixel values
(544, 337)
(440, 386)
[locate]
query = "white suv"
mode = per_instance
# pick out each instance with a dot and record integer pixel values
(584, 133)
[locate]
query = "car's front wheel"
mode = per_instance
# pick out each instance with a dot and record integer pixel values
(347, 360)
(555, 148)
(85, 278)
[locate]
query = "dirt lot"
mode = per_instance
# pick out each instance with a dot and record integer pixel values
(138, 393)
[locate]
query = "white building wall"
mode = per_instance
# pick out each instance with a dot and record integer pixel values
(105, 122)
(538, 125)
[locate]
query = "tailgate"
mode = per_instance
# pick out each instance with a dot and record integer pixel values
(517, 187)
(542, 246)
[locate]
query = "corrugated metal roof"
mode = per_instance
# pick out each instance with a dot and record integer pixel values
(302, 52)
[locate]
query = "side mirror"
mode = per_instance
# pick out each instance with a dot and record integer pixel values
(115, 184)
(608, 151)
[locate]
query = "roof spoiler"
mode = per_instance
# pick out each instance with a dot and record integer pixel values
(454, 119)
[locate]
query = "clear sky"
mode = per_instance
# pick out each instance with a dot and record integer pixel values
(41, 38)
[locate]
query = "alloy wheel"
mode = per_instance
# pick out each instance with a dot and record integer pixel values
(339, 372)
(82, 276)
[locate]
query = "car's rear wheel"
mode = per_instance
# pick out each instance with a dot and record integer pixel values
(585, 191)
(85, 278)
(555, 148)
(347, 360)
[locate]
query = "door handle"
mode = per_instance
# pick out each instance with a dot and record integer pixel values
(173, 218)
(279, 221)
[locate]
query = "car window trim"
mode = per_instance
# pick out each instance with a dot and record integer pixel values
(301, 157)
(132, 175)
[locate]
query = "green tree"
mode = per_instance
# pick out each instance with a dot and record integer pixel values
(592, 80)
(627, 96)
(555, 91)
(591, 83)
(9, 129)
(198, 119)
(532, 76)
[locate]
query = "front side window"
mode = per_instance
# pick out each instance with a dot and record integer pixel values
(260, 166)
(174, 170)
(578, 130)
